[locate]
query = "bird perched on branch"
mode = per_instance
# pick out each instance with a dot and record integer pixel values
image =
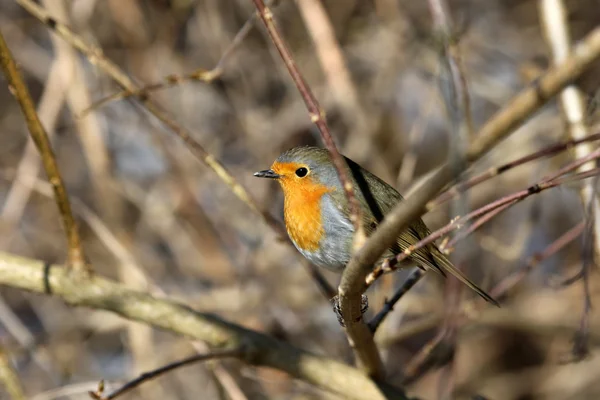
(317, 212)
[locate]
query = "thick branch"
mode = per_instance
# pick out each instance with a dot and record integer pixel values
(260, 349)
(497, 128)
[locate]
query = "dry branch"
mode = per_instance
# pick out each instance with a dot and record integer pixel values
(9, 378)
(259, 349)
(146, 376)
(76, 256)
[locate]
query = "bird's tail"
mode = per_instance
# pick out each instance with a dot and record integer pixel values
(445, 265)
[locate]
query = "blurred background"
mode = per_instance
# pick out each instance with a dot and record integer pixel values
(157, 219)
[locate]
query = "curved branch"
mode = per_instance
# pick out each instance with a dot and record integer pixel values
(259, 349)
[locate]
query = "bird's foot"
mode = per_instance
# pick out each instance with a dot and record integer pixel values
(364, 306)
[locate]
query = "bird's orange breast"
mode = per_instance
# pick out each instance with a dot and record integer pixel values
(302, 212)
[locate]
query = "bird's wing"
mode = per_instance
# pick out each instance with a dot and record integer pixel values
(377, 198)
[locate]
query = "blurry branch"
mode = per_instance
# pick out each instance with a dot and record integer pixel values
(146, 376)
(580, 341)
(516, 112)
(495, 171)
(65, 391)
(453, 86)
(555, 25)
(9, 378)
(202, 75)
(332, 62)
(361, 339)
(511, 280)
(95, 57)
(472, 312)
(258, 349)
(121, 254)
(485, 213)
(76, 256)
(452, 82)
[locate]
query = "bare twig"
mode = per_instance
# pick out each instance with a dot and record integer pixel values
(260, 349)
(495, 171)
(414, 277)
(48, 110)
(9, 378)
(456, 99)
(146, 376)
(504, 286)
(364, 347)
(511, 280)
(76, 256)
(555, 24)
(484, 214)
(332, 62)
(202, 75)
(417, 274)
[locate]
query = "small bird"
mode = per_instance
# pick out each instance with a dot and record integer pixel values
(317, 213)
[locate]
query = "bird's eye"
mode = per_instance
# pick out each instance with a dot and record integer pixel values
(301, 172)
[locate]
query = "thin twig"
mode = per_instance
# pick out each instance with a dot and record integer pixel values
(363, 346)
(422, 357)
(413, 328)
(330, 56)
(146, 376)
(556, 29)
(495, 171)
(580, 342)
(501, 204)
(96, 57)
(457, 102)
(9, 378)
(512, 279)
(417, 274)
(76, 256)
(412, 279)
(202, 75)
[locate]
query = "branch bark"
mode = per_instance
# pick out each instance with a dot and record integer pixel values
(259, 349)
(76, 256)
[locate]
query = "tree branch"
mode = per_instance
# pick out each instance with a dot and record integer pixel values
(522, 106)
(76, 256)
(259, 349)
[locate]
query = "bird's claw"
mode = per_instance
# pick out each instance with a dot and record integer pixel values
(364, 306)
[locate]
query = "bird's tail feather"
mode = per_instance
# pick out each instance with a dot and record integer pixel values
(445, 265)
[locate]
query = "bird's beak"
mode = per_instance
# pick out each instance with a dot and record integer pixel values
(267, 173)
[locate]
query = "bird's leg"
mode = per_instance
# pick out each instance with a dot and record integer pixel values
(364, 306)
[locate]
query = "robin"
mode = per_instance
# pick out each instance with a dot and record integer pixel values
(317, 213)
